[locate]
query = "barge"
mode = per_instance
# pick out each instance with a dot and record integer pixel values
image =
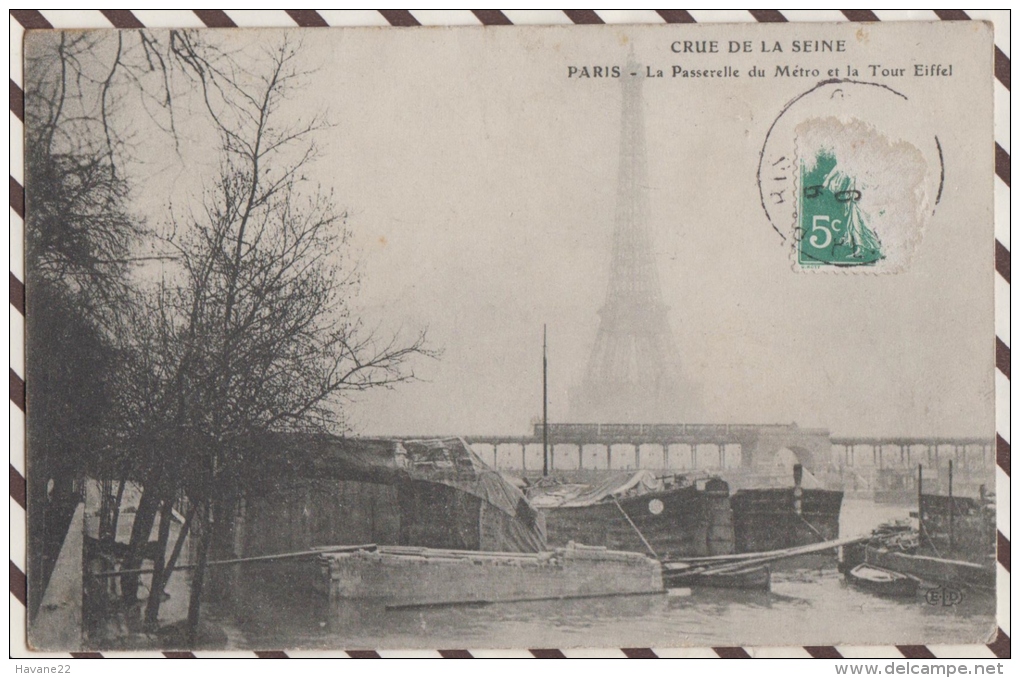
(770, 519)
(778, 518)
(672, 517)
(677, 517)
(399, 577)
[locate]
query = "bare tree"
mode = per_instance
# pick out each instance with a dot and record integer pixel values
(250, 328)
(79, 233)
(252, 324)
(81, 243)
(88, 383)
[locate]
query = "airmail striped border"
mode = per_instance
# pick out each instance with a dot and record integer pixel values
(20, 20)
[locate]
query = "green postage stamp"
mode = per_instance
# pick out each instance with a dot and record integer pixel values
(834, 229)
(852, 173)
(858, 185)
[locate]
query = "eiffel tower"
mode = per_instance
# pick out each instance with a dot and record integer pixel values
(633, 374)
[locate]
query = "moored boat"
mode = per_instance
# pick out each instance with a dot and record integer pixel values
(755, 578)
(934, 568)
(672, 517)
(953, 543)
(769, 519)
(880, 581)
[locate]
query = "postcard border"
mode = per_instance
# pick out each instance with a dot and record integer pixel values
(41, 20)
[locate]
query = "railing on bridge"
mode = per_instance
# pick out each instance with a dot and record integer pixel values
(653, 431)
(902, 452)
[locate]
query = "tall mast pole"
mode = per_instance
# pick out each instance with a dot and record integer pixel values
(545, 406)
(952, 507)
(920, 505)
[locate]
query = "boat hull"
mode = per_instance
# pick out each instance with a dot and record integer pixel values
(933, 569)
(751, 579)
(767, 520)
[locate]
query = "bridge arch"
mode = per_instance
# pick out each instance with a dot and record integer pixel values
(811, 449)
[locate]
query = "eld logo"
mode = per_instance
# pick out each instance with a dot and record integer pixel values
(946, 597)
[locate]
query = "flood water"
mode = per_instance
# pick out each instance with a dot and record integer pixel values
(811, 606)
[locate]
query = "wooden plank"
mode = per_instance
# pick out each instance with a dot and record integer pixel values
(932, 568)
(729, 563)
(325, 550)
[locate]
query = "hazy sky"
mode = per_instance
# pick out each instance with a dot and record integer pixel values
(481, 184)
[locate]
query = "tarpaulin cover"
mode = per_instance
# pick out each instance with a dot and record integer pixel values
(452, 462)
(617, 485)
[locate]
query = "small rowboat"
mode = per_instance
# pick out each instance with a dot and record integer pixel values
(750, 578)
(881, 581)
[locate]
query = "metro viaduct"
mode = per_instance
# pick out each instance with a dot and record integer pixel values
(905, 450)
(759, 444)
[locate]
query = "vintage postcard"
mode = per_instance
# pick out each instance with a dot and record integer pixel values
(610, 336)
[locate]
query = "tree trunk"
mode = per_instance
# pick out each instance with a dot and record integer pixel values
(140, 531)
(38, 541)
(116, 506)
(49, 515)
(198, 575)
(221, 581)
(172, 562)
(159, 558)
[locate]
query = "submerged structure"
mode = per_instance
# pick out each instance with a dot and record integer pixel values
(395, 577)
(429, 493)
(435, 524)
